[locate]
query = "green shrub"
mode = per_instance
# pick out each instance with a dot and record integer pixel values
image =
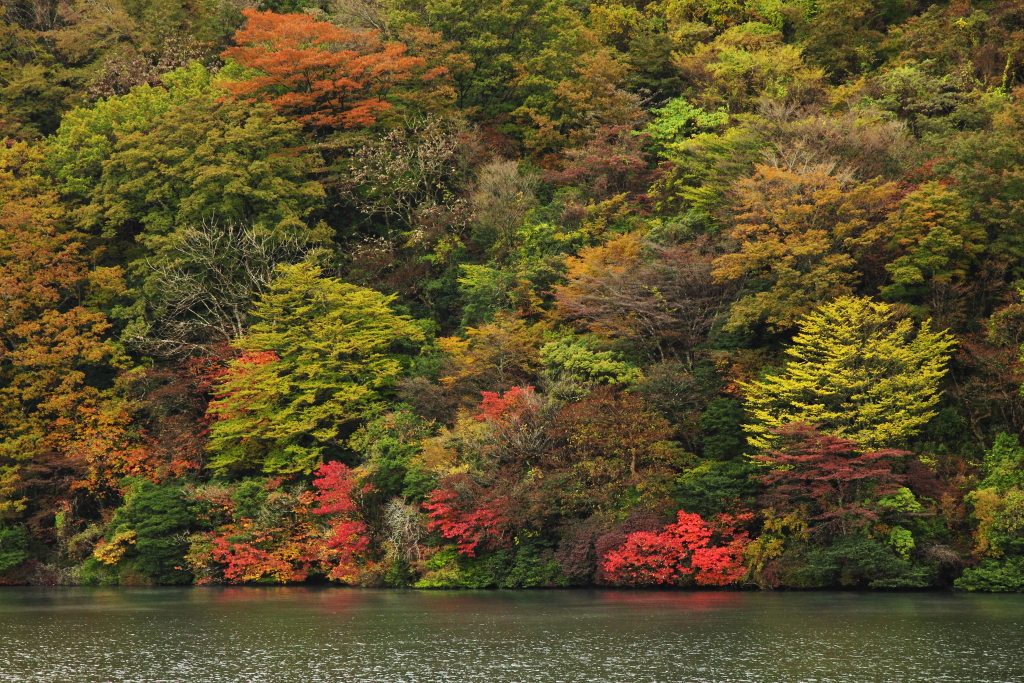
(861, 561)
(13, 547)
(448, 569)
(714, 486)
(92, 572)
(161, 519)
(993, 576)
(529, 565)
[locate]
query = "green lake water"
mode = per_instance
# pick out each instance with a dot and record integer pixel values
(286, 635)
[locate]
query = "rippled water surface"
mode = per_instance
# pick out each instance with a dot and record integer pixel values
(298, 635)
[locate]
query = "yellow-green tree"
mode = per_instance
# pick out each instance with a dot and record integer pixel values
(745, 62)
(937, 239)
(316, 360)
(858, 372)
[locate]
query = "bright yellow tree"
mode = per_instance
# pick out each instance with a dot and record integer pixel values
(858, 372)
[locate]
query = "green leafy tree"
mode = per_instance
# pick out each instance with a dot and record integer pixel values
(390, 444)
(572, 88)
(858, 560)
(147, 535)
(939, 240)
(32, 93)
(317, 358)
(579, 360)
(639, 34)
(844, 35)
(986, 168)
(747, 62)
(721, 426)
(87, 135)
(998, 506)
(108, 47)
(703, 172)
(163, 159)
(714, 487)
(150, 172)
(858, 372)
(13, 547)
(532, 66)
(496, 35)
(207, 159)
(998, 500)
(679, 119)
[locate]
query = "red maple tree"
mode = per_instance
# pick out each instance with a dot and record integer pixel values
(469, 528)
(829, 477)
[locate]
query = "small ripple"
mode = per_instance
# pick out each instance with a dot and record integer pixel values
(192, 636)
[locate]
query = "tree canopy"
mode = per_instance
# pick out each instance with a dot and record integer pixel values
(317, 358)
(855, 371)
(512, 293)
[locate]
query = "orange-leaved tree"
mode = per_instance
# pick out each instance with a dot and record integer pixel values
(801, 231)
(63, 426)
(321, 74)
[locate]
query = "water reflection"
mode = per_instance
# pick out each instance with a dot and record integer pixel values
(250, 635)
(703, 600)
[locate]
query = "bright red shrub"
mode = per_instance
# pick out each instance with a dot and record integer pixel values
(646, 558)
(349, 538)
(711, 553)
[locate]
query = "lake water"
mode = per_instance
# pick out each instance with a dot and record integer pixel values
(309, 635)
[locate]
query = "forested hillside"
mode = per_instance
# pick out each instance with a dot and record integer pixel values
(512, 293)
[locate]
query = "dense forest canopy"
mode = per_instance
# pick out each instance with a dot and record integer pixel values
(512, 293)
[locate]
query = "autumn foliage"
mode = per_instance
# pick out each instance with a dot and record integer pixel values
(322, 75)
(284, 550)
(337, 487)
(60, 428)
(469, 529)
(664, 300)
(837, 482)
(302, 532)
(448, 294)
(710, 553)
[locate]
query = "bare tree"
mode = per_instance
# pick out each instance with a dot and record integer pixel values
(408, 170)
(404, 530)
(360, 14)
(201, 292)
(667, 304)
(40, 15)
(500, 201)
